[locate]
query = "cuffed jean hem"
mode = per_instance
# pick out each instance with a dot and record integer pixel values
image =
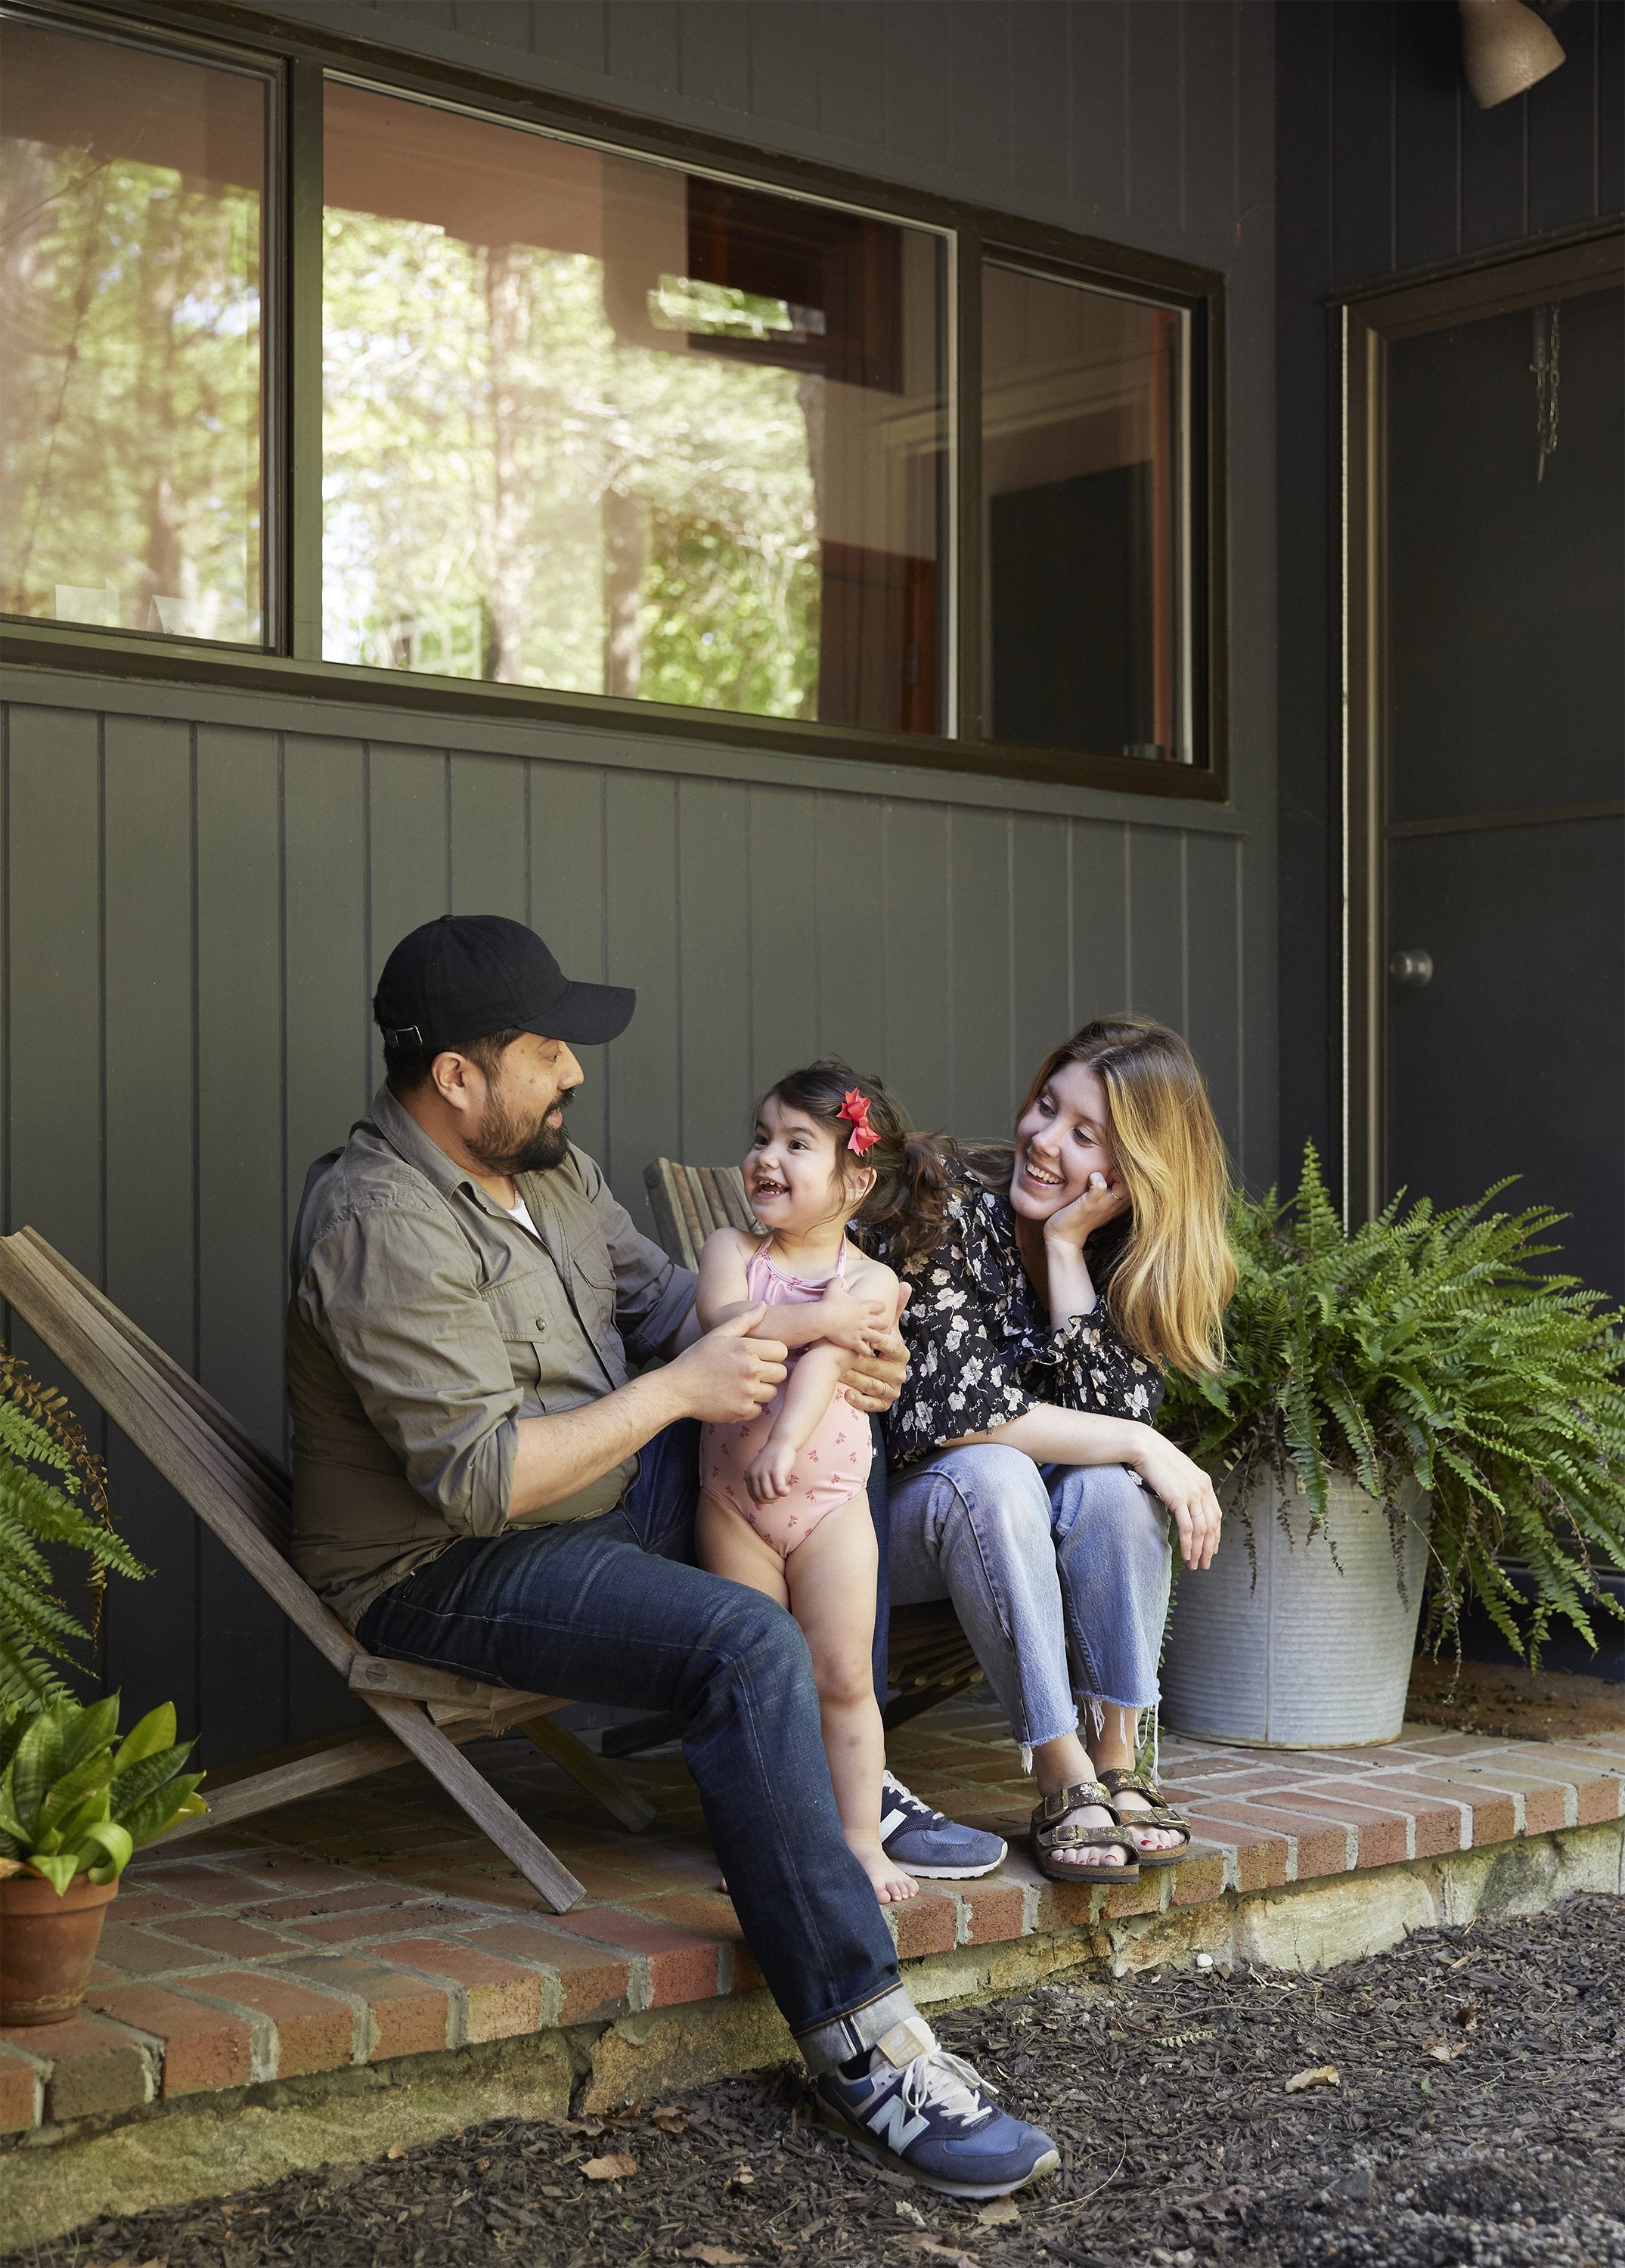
(829, 2044)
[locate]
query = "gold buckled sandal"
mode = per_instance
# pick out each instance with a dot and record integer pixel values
(1115, 1785)
(1054, 1829)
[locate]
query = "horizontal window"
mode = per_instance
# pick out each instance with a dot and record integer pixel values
(132, 191)
(601, 424)
(1085, 512)
(591, 415)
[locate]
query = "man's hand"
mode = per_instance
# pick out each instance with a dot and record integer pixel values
(873, 1381)
(771, 1472)
(1187, 1490)
(858, 1325)
(728, 1377)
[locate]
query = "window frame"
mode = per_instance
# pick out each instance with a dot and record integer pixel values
(297, 60)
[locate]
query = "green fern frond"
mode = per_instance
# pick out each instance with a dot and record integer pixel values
(53, 1496)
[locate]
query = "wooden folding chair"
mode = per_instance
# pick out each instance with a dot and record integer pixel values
(928, 1657)
(245, 1497)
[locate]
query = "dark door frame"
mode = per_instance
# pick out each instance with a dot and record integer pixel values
(1368, 319)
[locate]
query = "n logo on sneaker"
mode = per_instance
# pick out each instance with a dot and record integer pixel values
(892, 1821)
(896, 2130)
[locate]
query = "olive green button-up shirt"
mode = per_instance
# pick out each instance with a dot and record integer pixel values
(425, 1322)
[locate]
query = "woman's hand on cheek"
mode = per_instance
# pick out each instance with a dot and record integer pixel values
(1075, 1222)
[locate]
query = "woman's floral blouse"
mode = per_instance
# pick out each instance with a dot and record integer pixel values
(982, 1350)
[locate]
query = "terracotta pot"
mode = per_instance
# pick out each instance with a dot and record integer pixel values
(48, 1945)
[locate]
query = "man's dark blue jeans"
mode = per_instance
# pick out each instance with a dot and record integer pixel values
(614, 1609)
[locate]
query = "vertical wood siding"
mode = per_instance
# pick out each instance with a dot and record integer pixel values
(1384, 164)
(198, 903)
(1127, 119)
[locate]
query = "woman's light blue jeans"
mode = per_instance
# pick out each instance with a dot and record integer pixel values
(1058, 1575)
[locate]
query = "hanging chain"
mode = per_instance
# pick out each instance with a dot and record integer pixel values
(1544, 369)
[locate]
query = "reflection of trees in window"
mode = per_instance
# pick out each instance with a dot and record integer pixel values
(622, 513)
(665, 438)
(130, 395)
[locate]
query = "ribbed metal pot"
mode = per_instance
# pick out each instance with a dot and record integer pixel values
(1316, 1652)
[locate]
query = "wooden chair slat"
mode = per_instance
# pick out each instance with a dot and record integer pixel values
(683, 1185)
(715, 1204)
(660, 1180)
(739, 1212)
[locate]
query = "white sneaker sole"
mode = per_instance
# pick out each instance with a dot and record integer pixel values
(833, 2123)
(953, 1874)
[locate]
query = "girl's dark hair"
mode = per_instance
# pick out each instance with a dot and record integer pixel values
(904, 1208)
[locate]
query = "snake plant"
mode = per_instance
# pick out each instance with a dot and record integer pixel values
(75, 1800)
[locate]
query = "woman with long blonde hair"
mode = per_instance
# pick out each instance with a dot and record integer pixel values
(1052, 1283)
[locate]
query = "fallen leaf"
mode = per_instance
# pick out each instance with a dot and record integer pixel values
(1002, 2212)
(670, 2117)
(396, 2150)
(1444, 2051)
(933, 2250)
(1323, 2074)
(715, 2256)
(741, 2178)
(613, 2168)
(907, 2211)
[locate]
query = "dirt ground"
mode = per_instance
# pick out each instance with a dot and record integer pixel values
(1476, 2116)
(1482, 1697)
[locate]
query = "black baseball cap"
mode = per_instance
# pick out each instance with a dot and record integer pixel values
(467, 975)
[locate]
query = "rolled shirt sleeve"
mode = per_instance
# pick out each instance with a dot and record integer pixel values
(395, 1294)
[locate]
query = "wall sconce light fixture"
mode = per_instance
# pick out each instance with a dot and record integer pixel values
(1505, 49)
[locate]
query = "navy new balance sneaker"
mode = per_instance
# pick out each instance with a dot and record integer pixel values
(930, 2119)
(926, 1842)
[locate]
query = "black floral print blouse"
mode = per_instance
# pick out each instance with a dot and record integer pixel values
(982, 1350)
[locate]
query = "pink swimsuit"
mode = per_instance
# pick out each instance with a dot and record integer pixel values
(833, 1466)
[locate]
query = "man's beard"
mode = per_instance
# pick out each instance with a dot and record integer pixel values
(503, 1146)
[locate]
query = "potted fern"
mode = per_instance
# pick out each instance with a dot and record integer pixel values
(1405, 1409)
(75, 1803)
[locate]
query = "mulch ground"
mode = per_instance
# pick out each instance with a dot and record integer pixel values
(1513, 1704)
(1476, 2116)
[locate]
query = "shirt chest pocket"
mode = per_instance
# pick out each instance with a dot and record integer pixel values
(592, 1272)
(527, 1311)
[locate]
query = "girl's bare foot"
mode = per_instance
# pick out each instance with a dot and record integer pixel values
(891, 1884)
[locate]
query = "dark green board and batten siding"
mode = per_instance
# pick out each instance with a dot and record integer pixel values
(200, 885)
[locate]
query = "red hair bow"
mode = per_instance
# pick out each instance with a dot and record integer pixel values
(855, 1107)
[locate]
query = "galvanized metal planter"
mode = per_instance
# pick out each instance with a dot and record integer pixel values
(1316, 1652)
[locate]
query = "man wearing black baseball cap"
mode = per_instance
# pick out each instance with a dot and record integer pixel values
(480, 1484)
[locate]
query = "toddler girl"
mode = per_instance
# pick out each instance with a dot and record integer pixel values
(782, 1505)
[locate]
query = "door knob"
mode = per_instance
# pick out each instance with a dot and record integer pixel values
(1413, 966)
